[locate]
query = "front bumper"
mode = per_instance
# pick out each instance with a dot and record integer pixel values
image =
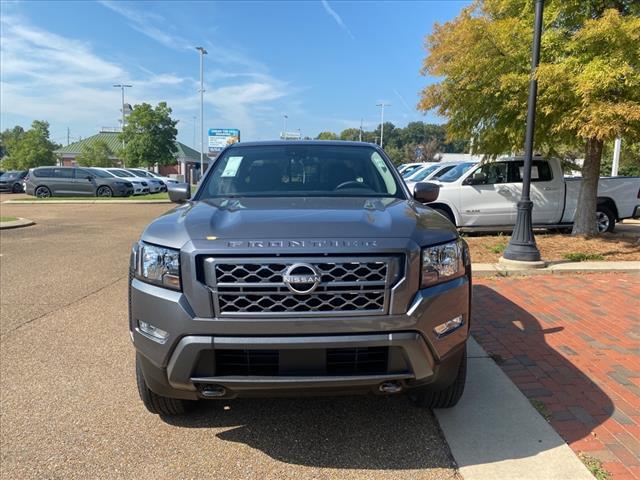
(123, 191)
(186, 362)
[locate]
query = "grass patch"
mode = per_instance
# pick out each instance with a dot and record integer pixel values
(594, 466)
(541, 408)
(583, 257)
(498, 248)
(8, 219)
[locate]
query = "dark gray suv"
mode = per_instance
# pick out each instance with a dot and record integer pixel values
(299, 268)
(44, 182)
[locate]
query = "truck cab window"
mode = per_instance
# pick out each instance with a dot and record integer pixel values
(540, 171)
(495, 172)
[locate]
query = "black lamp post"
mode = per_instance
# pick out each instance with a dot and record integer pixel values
(522, 245)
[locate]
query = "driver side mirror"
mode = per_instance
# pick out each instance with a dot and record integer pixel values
(478, 178)
(426, 192)
(89, 177)
(179, 192)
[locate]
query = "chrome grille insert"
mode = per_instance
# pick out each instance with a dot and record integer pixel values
(260, 286)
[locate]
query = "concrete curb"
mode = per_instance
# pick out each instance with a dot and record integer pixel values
(76, 202)
(19, 223)
(495, 433)
(557, 268)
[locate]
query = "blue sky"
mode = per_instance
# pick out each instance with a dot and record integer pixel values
(324, 64)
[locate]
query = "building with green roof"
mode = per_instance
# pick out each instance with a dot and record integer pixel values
(187, 159)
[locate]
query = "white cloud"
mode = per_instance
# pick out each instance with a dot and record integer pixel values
(404, 102)
(148, 23)
(337, 18)
(63, 80)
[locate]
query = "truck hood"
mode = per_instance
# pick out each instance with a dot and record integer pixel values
(294, 218)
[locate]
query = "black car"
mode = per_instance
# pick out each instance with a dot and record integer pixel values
(12, 181)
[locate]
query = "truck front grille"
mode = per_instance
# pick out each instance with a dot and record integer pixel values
(300, 286)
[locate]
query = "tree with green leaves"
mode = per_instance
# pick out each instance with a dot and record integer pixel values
(588, 80)
(96, 154)
(28, 149)
(9, 138)
(150, 136)
(350, 134)
(327, 136)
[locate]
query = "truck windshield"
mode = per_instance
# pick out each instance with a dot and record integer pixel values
(456, 172)
(300, 171)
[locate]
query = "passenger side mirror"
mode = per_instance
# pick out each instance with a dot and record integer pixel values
(89, 177)
(179, 192)
(426, 192)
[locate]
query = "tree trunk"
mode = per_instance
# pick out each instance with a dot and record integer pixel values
(585, 221)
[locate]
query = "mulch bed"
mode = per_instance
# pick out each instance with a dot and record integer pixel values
(553, 247)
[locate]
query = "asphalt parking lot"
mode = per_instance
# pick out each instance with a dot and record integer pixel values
(69, 406)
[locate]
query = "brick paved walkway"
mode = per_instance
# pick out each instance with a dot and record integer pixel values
(572, 343)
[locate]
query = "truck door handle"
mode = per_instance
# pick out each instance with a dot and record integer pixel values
(549, 189)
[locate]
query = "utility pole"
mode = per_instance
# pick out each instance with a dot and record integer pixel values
(382, 105)
(122, 86)
(284, 126)
(522, 245)
(203, 52)
(360, 135)
(616, 157)
(68, 135)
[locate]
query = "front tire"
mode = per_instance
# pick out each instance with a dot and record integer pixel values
(605, 218)
(426, 398)
(16, 188)
(104, 191)
(42, 192)
(158, 404)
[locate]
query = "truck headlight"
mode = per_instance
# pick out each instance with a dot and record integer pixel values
(443, 262)
(158, 265)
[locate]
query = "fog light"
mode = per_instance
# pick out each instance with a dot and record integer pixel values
(448, 326)
(154, 332)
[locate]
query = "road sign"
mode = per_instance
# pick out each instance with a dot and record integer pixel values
(219, 138)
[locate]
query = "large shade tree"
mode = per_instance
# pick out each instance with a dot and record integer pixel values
(28, 149)
(150, 136)
(588, 80)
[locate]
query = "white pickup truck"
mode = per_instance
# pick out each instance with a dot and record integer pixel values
(484, 196)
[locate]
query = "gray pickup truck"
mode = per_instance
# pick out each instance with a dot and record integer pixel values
(299, 268)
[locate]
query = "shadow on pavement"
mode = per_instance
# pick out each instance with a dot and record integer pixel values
(365, 432)
(517, 341)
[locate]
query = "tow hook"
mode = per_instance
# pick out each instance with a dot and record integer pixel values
(390, 387)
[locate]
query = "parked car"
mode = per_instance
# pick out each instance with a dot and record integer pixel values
(155, 184)
(44, 182)
(428, 173)
(299, 269)
(407, 169)
(148, 174)
(484, 196)
(11, 181)
(140, 186)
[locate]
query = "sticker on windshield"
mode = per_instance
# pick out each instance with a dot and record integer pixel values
(231, 169)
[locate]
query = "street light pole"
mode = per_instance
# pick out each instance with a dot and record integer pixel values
(203, 52)
(382, 105)
(122, 86)
(284, 126)
(522, 245)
